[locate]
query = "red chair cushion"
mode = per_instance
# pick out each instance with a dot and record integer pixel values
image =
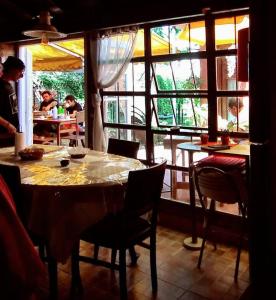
(226, 163)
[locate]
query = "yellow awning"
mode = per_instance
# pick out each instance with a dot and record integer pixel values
(224, 30)
(58, 56)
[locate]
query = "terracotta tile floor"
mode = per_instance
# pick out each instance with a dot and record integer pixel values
(178, 276)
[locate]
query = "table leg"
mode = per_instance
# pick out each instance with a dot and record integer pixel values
(58, 134)
(193, 242)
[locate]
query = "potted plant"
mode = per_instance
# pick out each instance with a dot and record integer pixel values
(225, 137)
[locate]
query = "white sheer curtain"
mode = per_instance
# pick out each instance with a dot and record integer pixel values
(110, 56)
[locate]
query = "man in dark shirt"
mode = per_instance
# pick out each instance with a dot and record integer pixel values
(72, 106)
(48, 102)
(13, 70)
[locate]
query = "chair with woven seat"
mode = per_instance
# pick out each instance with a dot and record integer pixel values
(220, 186)
(128, 227)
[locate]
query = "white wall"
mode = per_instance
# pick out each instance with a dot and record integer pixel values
(25, 97)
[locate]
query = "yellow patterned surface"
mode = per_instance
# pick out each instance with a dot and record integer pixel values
(96, 168)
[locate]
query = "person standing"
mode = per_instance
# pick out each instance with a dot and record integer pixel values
(9, 123)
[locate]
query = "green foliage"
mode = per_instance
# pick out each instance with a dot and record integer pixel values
(64, 83)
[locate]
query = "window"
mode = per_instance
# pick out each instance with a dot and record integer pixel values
(165, 96)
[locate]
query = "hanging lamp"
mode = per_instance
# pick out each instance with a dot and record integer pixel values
(44, 29)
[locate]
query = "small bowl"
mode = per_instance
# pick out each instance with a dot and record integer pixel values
(64, 162)
(78, 155)
(77, 152)
(31, 153)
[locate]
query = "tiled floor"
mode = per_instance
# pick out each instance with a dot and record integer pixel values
(178, 276)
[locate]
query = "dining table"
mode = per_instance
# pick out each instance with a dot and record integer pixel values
(63, 201)
(233, 149)
(60, 125)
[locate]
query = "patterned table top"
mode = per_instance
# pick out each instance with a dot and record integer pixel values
(96, 168)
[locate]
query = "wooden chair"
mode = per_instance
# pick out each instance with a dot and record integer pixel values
(220, 187)
(127, 149)
(12, 177)
(79, 133)
(129, 227)
(123, 147)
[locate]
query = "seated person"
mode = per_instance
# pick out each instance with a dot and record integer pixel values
(48, 102)
(72, 106)
(240, 116)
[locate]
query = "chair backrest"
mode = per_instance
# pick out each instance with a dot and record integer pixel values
(143, 190)
(80, 116)
(219, 185)
(123, 147)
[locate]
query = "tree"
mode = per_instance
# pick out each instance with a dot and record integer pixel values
(63, 83)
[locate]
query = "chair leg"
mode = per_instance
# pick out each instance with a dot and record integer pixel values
(133, 255)
(96, 251)
(113, 256)
(76, 284)
(205, 233)
(53, 278)
(83, 144)
(122, 272)
(153, 268)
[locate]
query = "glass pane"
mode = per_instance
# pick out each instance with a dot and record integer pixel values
(111, 132)
(233, 114)
(190, 74)
(139, 76)
(163, 76)
(187, 112)
(138, 115)
(139, 49)
(110, 110)
(226, 67)
(160, 40)
(132, 80)
(226, 31)
(181, 75)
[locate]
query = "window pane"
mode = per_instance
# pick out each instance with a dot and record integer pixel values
(138, 112)
(226, 67)
(132, 80)
(110, 110)
(179, 38)
(139, 49)
(160, 40)
(188, 74)
(226, 31)
(187, 112)
(233, 114)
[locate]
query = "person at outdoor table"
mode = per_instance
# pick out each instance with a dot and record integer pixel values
(72, 106)
(48, 102)
(239, 115)
(13, 70)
